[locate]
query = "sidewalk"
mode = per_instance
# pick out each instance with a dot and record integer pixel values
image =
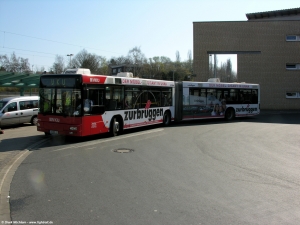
(268, 112)
(14, 143)
(15, 139)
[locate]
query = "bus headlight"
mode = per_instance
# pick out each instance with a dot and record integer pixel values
(73, 128)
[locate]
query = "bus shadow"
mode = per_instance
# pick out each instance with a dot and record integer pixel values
(19, 143)
(283, 118)
(59, 140)
(16, 126)
(66, 140)
(263, 118)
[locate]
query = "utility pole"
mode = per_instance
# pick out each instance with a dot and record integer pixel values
(70, 59)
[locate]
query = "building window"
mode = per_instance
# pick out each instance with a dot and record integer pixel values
(292, 66)
(292, 94)
(292, 38)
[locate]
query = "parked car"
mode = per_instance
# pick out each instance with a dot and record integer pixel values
(18, 110)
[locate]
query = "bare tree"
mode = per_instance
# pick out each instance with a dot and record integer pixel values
(59, 64)
(136, 56)
(87, 60)
(3, 62)
(24, 65)
(188, 66)
(228, 69)
(14, 63)
(189, 61)
(137, 59)
(40, 70)
(119, 61)
(103, 66)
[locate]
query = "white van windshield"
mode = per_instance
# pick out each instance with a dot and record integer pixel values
(2, 104)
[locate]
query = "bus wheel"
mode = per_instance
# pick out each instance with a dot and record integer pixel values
(114, 127)
(229, 114)
(166, 119)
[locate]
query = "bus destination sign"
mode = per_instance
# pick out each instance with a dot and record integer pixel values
(58, 82)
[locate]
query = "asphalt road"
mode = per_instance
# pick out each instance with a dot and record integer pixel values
(204, 172)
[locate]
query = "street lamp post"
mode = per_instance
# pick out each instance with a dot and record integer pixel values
(70, 59)
(32, 69)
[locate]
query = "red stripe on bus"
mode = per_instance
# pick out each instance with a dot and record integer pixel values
(93, 79)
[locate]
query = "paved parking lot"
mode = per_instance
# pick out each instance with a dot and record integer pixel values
(13, 144)
(15, 139)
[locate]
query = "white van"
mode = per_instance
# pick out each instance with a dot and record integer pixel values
(17, 110)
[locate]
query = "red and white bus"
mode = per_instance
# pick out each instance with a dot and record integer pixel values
(75, 104)
(84, 104)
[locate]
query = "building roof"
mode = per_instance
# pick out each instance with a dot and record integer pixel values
(20, 80)
(277, 14)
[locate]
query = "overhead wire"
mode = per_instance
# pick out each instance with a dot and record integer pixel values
(43, 39)
(30, 51)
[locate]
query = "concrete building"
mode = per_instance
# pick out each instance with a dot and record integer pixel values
(268, 53)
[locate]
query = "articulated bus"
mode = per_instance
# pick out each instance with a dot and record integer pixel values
(82, 104)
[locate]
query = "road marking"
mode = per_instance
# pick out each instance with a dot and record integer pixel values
(108, 140)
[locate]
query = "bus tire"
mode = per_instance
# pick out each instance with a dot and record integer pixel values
(166, 119)
(114, 127)
(229, 114)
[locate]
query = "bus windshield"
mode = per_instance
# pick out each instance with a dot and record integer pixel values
(60, 101)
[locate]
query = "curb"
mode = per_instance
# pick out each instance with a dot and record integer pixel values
(6, 176)
(277, 112)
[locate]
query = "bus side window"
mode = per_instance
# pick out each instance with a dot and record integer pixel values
(233, 96)
(254, 98)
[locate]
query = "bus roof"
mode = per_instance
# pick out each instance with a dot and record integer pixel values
(102, 79)
(219, 85)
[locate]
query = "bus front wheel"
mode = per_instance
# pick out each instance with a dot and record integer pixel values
(229, 114)
(166, 119)
(114, 127)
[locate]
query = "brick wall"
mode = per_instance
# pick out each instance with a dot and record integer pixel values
(267, 68)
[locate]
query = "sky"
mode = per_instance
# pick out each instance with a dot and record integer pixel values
(41, 29)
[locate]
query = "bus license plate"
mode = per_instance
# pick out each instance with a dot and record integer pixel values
(53, 132)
